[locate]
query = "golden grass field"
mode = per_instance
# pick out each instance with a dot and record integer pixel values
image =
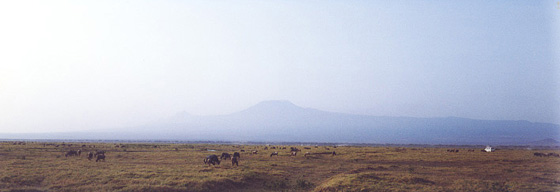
(36, 166)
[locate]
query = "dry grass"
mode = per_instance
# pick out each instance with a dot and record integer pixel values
(141, 167)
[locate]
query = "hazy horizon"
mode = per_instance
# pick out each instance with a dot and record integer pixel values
(83, 65)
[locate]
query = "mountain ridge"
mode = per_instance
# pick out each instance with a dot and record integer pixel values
(283, 121)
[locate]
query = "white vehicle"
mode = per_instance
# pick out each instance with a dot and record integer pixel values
(489, 149)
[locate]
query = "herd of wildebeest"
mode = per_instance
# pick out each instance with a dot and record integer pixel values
(99, 155)
(213, 159)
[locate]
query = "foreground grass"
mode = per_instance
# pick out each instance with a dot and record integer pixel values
(179, 167)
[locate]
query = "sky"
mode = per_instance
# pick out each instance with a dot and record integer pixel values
(86, 65)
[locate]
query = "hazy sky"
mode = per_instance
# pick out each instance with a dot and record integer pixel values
(79, 65)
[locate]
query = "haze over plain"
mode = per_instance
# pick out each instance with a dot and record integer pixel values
(73, 66)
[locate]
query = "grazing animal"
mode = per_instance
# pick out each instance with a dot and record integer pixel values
(294, 153)
(211, 159)
(306, 154)
(553, 155)
(333, 153)
(274, 153)
(272, 147)
(225, 156)
(79, 152)
(71, 153)
(99, 153)
(265, 148)
(90, 156)
(539, 154)
(307, 148)
(100, 157)
(234, 161)
(242, 150)
(294, 149)
(236, 155)
(255, 152)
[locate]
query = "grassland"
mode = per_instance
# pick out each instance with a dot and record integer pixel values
(34, 166)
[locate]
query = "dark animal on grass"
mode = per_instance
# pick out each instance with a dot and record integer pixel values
(255, 152)
(307, 148)
(99, 153)
(333, 153)
(242, 150)
(225, 156)
(294, 153)
(553, 155)
(79, 152)
(539, 154)
(100, 157)
(265, 148)
(236, 155)
(90, 155)
(211, 159)
(274, 153)
(294, 149)
(234, 161)
(272, 147)
(71, 153)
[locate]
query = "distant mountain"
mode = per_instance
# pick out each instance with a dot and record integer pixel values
(282, 121)
(545, 142)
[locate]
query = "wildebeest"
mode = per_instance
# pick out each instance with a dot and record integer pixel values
(211, 159)
(90, 155)
(539, 154)
(265, 148)
(553, 155)
(307, 148)
(237, 155)
(71, 153)
(294, 153)
(294, 149)
(274, 153)
(100, 157)
(255, 152)
(99, 153)
(225, 156)
(333, 153)
(79, 152)
(234, 161)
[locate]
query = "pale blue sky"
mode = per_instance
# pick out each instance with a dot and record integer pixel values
(78, 65)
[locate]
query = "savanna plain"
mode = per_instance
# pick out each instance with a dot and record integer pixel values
(41, 166)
